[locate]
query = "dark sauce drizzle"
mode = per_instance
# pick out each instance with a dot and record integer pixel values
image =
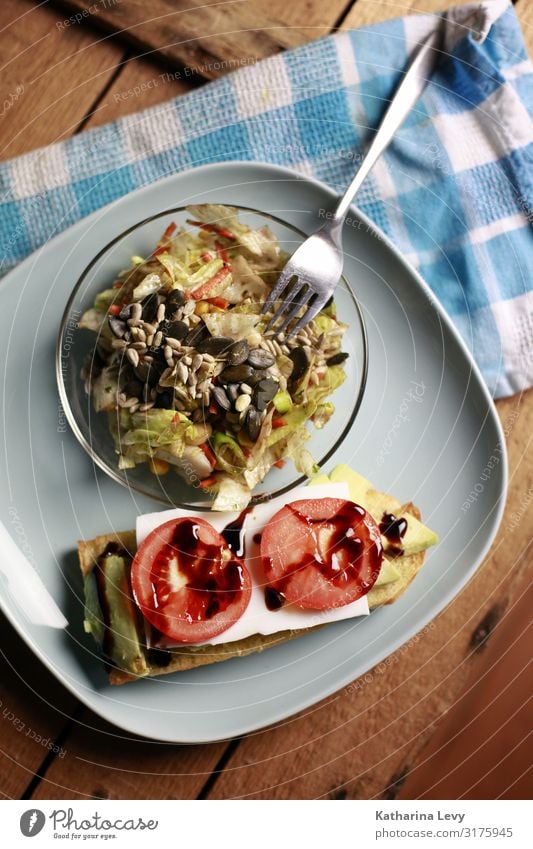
(234, 534)
(393, 530)
(274, 600)
(214, 582)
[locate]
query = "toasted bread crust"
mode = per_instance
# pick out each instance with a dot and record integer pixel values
(190, 657)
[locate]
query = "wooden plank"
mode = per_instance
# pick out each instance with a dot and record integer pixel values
(31, 718)
(233, 33)
(141, 83)
(367, 12)
(480, 750)
(361, 743)
(50, 76)
(103, 763)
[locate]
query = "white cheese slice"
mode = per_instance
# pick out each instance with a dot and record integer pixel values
(258, 619)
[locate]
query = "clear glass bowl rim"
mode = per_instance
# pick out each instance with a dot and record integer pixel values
(137, 487)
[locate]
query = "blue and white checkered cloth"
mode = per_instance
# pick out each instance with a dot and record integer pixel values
(454, 191)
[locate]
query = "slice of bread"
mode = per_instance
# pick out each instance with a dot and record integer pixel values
(189, 657)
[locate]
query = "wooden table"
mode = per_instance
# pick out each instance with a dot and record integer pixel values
(449, 719)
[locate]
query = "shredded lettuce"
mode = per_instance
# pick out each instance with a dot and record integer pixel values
(149, 284)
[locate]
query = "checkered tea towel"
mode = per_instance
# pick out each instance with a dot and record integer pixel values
(454, 191)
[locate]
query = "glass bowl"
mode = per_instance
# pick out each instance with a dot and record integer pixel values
(91, 428)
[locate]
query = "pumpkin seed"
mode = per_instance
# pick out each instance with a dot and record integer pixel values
(300, 362)
(237, 374)
(252, 423)
(118, 327)
(215, 345)
(263, 393)
(221, 398)
(238, 353)
(337, 359)
(259, 358)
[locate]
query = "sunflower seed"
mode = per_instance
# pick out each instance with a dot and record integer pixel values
(182, 372)
(242, 403)
(141, 335)
(187, 360)
(232, 391)
(127, 405)
(160, 314)
(138, 346)
(208, 358)
(133, 357)
(136, 311)
(158, 338)
(189, 308)
(144, 407)
(173, 343)
(197, 361)
(167, 351)
(150, 339)
(247, 390)
(205, 398)
(118, 344)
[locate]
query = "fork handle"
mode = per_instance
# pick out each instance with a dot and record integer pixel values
(405, 97)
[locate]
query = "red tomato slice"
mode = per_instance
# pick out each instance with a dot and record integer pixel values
(187, 581)
(321, 553)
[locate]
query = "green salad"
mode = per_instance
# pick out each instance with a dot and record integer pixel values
(185, 372)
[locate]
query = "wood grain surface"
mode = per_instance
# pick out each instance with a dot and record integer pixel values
(416, 726)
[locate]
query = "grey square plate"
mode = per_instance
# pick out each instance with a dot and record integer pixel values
(426, 432)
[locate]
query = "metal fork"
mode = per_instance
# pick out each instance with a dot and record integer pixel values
(312, 273)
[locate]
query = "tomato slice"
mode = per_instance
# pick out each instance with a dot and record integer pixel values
(321, 553)
(187, 581)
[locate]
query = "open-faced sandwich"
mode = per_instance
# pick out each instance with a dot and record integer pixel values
(181, 365)
(187, 590)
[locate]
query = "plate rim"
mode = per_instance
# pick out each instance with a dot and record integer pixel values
(495, 515)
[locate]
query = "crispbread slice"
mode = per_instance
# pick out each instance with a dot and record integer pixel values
(189, 657)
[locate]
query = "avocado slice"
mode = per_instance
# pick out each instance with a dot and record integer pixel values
(111, 616)
(417, 537)
(388, 573)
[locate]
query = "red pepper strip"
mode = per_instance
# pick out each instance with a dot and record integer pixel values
(118, 285)
(208, 453)
(218, 302)
(224, 255)
(278, 423)
(207, 482)
(114, 309)
(212, 286)
(214, 228)
(162, 249)
(213, 408)
(168, 232)
(207, 256)
(279, 464)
